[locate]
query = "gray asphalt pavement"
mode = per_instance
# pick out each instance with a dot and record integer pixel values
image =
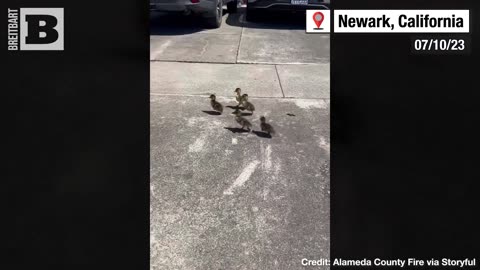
(221, 197)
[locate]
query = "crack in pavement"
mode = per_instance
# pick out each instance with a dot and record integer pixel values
(279, 81)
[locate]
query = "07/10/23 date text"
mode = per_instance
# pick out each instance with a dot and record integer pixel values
(439, 45)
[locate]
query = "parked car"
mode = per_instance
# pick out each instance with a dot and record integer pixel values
(256, 7)
(210, 10)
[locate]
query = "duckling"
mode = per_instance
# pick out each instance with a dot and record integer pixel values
(266, 127)
(239, 95)
(215, 104)
(242, 121)
(246, 104)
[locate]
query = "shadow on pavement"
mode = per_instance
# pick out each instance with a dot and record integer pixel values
(179, 24)
(281, 20)
(212, 112)
(168, 24)
(234, 107)
(262, 134)
(237, 130)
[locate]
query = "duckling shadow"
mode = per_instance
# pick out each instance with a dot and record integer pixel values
(236, 130)
(212, 112)
(243, 114)
(235, 107)
(262, 134)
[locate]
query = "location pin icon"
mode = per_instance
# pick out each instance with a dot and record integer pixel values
(318, 18)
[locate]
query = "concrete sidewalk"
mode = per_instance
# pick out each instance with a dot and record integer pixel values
(236, 41)
(296, 81)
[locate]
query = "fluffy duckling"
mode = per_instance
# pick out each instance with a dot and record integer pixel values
(246, 104)
(266, 127)
(215, 104)
(238, 91)
(242, 121)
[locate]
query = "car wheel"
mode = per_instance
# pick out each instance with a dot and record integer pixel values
(252, 14)
(232, 6)
(214, 19)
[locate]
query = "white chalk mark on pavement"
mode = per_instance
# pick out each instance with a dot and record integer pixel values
(310, 103)
(162, 48)
(197, 146)
(243, 177)
(324, 144)
(152, 190)
(268, 158)
(204, 49)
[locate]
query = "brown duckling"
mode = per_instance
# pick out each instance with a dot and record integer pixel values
(266, 127)
(238, 98)
(215, 104)
(246, 104)
(242, 121)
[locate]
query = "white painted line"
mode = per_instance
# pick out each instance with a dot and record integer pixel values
(243, 177)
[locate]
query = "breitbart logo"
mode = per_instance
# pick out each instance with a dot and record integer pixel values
(35, 29)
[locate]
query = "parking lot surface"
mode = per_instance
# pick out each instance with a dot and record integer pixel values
(222, 197)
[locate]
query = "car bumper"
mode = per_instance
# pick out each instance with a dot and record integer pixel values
(182, 5)
(287, 5)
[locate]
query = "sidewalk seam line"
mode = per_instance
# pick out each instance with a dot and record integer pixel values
(206, 95)
(238, 48)
(234, 63)
(279, 81)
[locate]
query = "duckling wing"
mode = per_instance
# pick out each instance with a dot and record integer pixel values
(263, 127)
(272, 131)
(267, 128)
(251, 107)
(239, 120)
(242, 121)
(217, 106)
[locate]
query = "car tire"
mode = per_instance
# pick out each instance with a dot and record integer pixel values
(252, 15)
(232, 6)
(214, 19)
